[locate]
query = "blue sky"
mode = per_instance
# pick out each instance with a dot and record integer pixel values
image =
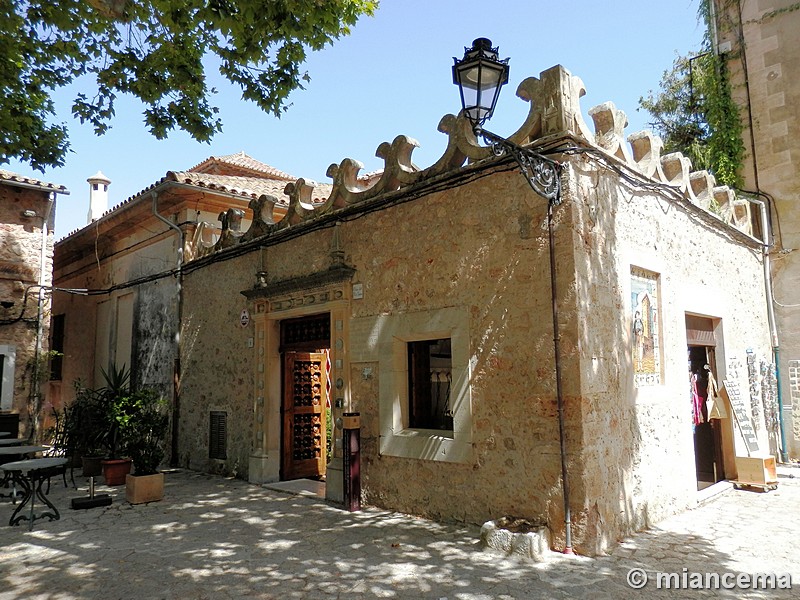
(392, 76)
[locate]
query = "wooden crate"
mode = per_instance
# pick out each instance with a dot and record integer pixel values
(756, 470)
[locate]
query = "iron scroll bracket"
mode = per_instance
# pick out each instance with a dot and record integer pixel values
(542, 173)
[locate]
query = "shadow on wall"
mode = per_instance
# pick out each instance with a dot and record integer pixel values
(603, 420)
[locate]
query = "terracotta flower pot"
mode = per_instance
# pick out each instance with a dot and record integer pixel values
(115, 470)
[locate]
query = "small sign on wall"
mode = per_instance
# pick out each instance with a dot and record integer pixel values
(244, 318)
(731, 388)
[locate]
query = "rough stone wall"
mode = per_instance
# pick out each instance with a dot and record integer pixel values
(794, 392)
(483, 247)
(20, 264)
(786, 282)
(217, 365)
(637, 458)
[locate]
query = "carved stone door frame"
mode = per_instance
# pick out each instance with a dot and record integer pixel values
(272, 304)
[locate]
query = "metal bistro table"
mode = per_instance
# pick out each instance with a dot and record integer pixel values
(14, 453)
(12, 442)
(31, 474)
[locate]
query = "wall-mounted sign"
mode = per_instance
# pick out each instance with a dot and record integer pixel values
(244, 318)
(740, 414)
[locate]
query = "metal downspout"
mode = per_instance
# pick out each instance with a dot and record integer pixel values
(559, 392)
(773, 331)
(176, 404)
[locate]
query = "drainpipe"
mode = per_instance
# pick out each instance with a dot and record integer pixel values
(176, 372)
(37, 351)
(559, 392)
(773, 331)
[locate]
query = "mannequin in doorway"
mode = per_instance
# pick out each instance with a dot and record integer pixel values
(714, 407)
(699, 384)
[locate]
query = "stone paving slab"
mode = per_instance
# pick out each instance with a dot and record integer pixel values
(219, 538)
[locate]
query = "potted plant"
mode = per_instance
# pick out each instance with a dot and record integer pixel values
(144, 432)
(117, 395)
(86, 427)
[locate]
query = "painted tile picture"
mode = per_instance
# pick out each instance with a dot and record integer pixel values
(644, 327)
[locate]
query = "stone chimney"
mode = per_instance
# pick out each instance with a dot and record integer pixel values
(98, 196)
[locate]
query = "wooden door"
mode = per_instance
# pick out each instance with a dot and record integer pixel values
(304, 412)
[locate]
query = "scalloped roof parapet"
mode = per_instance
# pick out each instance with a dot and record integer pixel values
(554, 112)
(674, 169)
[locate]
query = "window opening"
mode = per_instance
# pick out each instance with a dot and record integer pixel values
(430, 378)
(57, 346)
(218, 437)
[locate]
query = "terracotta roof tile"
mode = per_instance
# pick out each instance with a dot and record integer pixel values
(243, 161)
(246, 187)
(251, 187)
(20, 180)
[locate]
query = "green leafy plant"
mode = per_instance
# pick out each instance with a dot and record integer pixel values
(117, 420)
(157, 52)
(143, 427)
(117, 395)
(694, 111)
(87, 422)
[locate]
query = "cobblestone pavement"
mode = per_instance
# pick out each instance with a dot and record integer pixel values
(223, 538)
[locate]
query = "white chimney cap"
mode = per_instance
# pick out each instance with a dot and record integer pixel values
(99, 178)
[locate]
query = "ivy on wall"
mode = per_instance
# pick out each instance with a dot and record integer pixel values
(694, 111)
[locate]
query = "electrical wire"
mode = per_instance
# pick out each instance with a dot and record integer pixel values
(354, 212)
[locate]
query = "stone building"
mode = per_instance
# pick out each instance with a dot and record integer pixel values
(759, 43)
(27, 214)
(421, 299)
(121, 297)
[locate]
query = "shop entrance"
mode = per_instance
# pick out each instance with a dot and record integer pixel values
(708, 454)
(305, 346)
(707, 432)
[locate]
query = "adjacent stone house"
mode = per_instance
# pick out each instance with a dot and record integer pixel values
(120, 274)
(758, 43)
(421, 299)
(27, 214)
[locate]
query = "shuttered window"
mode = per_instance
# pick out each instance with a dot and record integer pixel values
(218, 436)
(57, 347)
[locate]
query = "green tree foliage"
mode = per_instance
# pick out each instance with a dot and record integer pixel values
(153, 50)
(677, 115)
(695, 114)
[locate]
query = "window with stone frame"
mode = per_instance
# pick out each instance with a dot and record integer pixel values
(430, 373)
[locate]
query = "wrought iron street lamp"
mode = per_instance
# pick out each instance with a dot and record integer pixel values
(479, 76)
